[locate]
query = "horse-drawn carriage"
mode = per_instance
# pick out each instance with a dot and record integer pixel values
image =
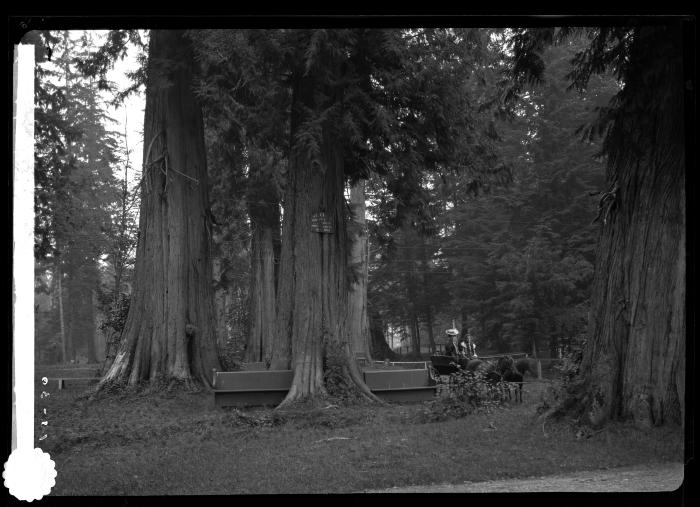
(495, 377)
(443, 365)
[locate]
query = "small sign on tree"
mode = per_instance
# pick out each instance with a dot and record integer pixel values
(321, 223)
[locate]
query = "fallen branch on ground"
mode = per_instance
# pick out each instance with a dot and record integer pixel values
(333, 438)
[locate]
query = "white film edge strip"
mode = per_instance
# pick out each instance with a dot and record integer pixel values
(29, 473)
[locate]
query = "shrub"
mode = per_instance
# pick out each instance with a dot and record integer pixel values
(567, 370)
(464, 393)
(115, 312)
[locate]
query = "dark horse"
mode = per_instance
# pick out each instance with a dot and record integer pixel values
(526, 365)
(503, 370)
(513, 375)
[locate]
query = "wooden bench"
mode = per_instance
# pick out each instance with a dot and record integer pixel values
(401, 385)
(361, 359)
(250, 388)
(269, 387)
(67, 372)
(71, 382)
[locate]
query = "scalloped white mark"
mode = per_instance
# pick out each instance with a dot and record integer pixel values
(29, 474)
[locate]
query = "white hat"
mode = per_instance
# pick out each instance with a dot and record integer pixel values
(452, 332)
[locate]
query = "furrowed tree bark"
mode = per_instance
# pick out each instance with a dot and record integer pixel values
(313, 282)
(96, 340)
(357, 319)
(633, 366)
(263, 209)
(169, 335)
(59, 290)
(220, 307)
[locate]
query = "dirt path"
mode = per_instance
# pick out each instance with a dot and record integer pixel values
(657, 477)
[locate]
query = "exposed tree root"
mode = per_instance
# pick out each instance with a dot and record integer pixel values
(123, 389)
(339, 390)
(342, 383)
(324, 401)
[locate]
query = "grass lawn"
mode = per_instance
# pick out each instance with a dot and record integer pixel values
(181, 444)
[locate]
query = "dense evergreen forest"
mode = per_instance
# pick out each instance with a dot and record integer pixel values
(307, 196)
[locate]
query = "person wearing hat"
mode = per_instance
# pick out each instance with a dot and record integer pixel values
(451, 345)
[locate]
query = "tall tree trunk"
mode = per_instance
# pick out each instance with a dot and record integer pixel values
(431, 333)
(412, 293)
(169, 333)
(380, 347)
(92, 303)
(633, 365)
(226, 324)
(413, 325)
(357, 319)
(415, 335)
(428, 309)
(61, 317)
(263, 209)
(99, 342)
(313, 285)
(75, 306)
(220, 291)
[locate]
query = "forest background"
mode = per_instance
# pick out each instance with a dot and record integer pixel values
(509, 258)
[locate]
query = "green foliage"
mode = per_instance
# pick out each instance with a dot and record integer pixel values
(476, 389)
(639, 57)
(116, 45)
(558, 393)
(77, 195)
(472, 215)
(525, 252)
(571, 361)
(465, 393)
(245, 102)
(397, 101)
(517, 257)
(440, 113)
(115, 312)
(74, 157)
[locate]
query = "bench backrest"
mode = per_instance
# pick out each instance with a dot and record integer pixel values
(253, 380)
(254, 366)
(67, 373)
(396, 379)
(361, 358)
